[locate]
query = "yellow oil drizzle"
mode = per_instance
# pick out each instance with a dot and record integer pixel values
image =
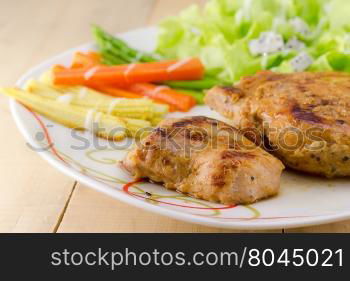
(108, 161)
(255, 212)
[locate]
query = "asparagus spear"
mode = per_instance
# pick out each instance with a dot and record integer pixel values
(115, 51)
(203, 84)
(199, 96)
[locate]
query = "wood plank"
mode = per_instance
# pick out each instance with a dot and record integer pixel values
(34, 194)
(90, 211)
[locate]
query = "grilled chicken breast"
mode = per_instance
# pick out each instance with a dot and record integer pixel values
(206, 159)
(304, 117)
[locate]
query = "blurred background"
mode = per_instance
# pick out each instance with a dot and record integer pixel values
(34, 30)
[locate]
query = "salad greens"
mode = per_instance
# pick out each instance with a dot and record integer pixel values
(233, 37)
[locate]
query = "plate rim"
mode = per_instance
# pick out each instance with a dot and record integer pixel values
(178, 215)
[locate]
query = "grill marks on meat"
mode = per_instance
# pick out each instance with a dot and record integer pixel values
(234, 155)
(315, 104)
(230, 90)
(305, 114)
(206, 159)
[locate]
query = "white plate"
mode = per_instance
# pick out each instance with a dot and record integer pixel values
(303, 200)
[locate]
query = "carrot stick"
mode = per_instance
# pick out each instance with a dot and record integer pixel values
(93, 59)
(162, 93)
(117, 92)
(81, 60)
(123, 75)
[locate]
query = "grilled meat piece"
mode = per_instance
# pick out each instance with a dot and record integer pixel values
(305, 117)
(206, 159)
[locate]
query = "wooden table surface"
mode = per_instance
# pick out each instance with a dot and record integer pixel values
(34, 196)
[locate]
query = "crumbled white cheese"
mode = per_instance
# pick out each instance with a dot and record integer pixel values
(195, 31)
(301, 62)
(300, 26)
(268, 42)
(294, 44)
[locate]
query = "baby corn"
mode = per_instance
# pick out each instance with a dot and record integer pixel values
(82, 96)
(76, 117)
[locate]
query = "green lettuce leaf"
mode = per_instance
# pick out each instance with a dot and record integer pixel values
(219, 34)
